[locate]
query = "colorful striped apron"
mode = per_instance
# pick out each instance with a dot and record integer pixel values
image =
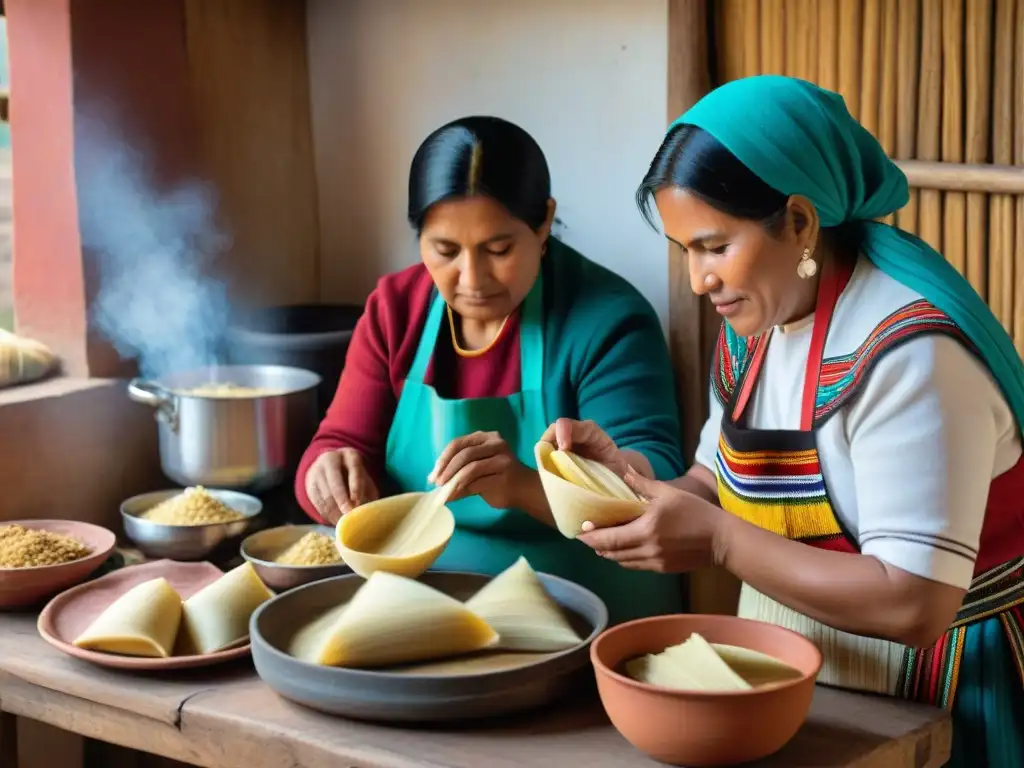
(773, 479)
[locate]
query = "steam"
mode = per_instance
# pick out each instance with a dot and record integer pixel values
(151, 253)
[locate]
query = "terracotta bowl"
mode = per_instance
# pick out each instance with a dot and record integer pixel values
(697, 728)
(21, 587)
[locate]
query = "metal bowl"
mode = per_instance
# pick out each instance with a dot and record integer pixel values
(261, 548)
(185, 542)
(487, 686)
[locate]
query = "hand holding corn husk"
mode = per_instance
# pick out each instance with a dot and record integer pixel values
(482, 464)
(587, 440)
(678, 532)
(588, 457)
(583, 485)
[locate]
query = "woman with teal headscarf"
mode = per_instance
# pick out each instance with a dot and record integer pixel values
(861, 469)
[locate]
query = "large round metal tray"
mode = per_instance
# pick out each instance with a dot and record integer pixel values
(470, 687)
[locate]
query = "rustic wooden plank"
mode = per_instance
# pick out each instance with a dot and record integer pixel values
(97, 721)
(24, 655)
(230, 719)
(245, 725)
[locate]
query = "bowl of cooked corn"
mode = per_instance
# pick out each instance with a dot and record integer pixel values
(293, 555)
(187, 524)
(39, 558)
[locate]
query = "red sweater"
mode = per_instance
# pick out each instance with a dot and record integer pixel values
(379, 358)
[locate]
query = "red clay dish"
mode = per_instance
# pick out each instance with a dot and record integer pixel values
(68, 614)
(701, 728)
(21, 587)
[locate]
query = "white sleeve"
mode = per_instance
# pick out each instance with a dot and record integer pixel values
(923, 435)
(707, 448)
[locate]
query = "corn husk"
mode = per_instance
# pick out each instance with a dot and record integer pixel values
(143, 622)
(575, 500)
(393, 620)
(518, 607)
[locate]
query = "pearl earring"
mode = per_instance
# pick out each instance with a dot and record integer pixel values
(808, 267)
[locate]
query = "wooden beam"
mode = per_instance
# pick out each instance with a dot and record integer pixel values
(693, 324)
(690, 334)
(964, 177)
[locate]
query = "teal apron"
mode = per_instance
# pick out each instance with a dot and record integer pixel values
(488, 540)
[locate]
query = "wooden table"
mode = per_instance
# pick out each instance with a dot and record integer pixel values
(226, 718)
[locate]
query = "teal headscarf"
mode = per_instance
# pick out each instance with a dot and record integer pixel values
(801, 140)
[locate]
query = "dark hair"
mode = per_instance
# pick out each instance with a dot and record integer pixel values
(480, 156)
(691, 158)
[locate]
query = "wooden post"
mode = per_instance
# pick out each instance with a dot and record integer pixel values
(690, 334)
(693, 325)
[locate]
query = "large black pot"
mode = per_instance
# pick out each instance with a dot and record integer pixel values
(310, 336)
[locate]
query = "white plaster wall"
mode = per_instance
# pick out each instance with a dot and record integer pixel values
(586, 77)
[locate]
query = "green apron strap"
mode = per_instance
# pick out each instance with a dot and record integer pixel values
(531, 338)
(428, 340)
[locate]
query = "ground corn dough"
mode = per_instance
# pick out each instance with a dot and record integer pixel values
(193, 506)
(27, 548)
(312, 549)
(228, 391)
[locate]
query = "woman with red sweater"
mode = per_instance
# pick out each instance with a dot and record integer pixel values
(460, 363)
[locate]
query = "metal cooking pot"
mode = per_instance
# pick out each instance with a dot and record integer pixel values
(240, 443)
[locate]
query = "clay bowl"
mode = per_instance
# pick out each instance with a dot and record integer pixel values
(483, 685)
(358, 533)
(699, 728)
(21, 587)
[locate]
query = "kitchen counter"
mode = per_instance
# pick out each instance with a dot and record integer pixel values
(226, 718)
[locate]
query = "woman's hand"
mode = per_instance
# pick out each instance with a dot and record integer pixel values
(587, 439)
(338, 481)
(678, 532)
(486, 467)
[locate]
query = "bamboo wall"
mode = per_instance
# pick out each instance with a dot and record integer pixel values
(940, 83)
